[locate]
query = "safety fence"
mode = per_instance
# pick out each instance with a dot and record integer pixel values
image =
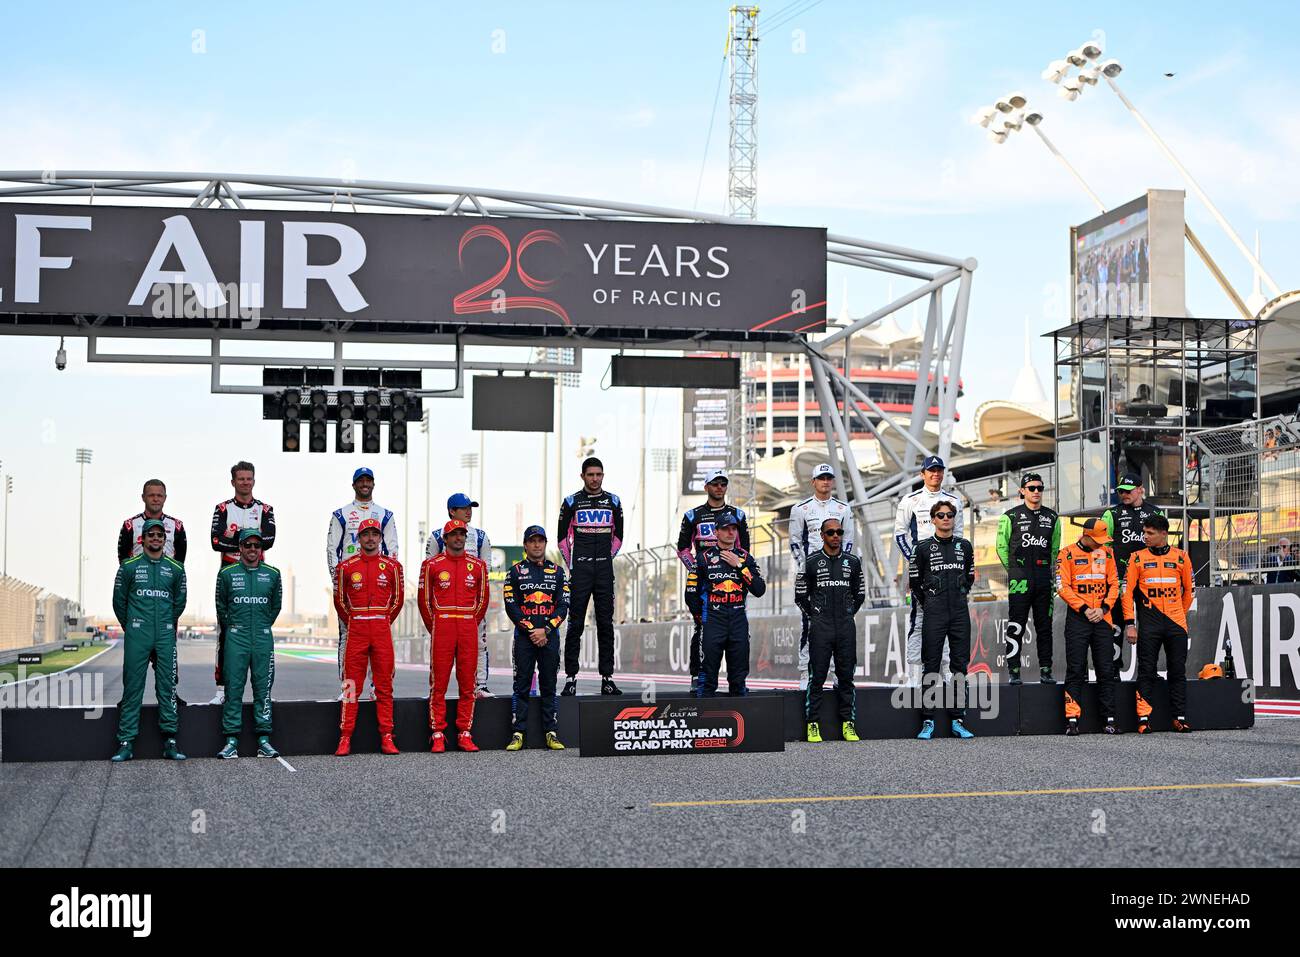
(30, 616)
(1247, 478)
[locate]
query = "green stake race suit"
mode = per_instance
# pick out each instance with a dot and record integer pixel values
(248, 602)
(148, 598)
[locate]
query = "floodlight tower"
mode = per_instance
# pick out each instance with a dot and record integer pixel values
(742, 167)
(742, 203)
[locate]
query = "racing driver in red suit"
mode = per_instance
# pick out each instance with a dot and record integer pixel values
(368, 595)
(453, 600)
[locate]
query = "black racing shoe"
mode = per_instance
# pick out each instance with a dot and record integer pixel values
(1072, 727)
(570, 686)
(1144, 725)
(607, 686)
(1111, 727)
(1045, 676)
(1013, 676)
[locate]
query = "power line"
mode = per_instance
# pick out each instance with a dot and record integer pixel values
(779, 19)
(713, 115)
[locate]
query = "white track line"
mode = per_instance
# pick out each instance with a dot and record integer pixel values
(81, 664)
(287, 765)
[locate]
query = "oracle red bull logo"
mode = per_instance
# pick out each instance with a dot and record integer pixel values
(536, 598)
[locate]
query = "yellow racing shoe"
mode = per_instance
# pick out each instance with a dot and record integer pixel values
(516, 742)
(814, 733)
(553, 741)
(848, 732)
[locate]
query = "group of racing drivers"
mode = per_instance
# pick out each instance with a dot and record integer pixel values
(1138, 589)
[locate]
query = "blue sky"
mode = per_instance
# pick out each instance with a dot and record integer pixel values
(862, 125)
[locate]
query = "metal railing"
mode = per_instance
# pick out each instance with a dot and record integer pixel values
(1249, 477)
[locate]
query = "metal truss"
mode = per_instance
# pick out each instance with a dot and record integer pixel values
(937, 380)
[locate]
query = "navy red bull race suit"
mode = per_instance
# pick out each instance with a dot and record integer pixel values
(536, 595)
(698, 526)
(716, 592)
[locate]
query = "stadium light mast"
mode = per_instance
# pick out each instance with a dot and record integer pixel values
(742, 166)
(742, 203)
(998, 133)
(1089, 75)
(84, 457)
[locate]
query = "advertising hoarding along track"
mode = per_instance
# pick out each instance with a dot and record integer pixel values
(305, 266)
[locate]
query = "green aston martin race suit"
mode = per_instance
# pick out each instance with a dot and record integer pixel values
(148, 598)
(248, 602)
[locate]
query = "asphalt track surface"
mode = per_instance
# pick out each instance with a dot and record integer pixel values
(1150, 802)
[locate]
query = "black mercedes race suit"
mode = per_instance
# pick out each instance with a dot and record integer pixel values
(1028, 542)
(829, 591)
(697, 533)
(1125, 525)
(942, 572)
(590, 534)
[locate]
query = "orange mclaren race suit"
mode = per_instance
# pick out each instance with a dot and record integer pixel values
(1160, 591)
(1088, 579)
(368, 595)
(453, 600)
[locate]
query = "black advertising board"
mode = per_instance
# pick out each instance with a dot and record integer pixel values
(193, 265)
(681, 726)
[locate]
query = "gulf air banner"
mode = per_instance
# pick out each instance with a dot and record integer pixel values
(202, 264)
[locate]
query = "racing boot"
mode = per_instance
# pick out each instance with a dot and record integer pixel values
(1144, 725)
(465, 742)
(1013, 676)
(927, 730)
(1180, 725)
(570, 687)
(848, 732)
(607, 686)
(345, 746)
(553, 741)
(386, 744)
(1072, 727)
(1045, 676)
(124, 752)
(265, 749)
(439, 743)
(959, 729)
(1110, 727)
(220, 696)
(483, 692)
(171, 752)
(516, 742)
(814, 733)
(231, 750)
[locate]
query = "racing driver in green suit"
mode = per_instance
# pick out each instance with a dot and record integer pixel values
(249, 595)
(148, 598)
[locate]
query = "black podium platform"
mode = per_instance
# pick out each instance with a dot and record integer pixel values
(311, 727)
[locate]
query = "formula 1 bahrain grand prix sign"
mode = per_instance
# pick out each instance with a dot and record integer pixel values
(681, 726)
(167, 263)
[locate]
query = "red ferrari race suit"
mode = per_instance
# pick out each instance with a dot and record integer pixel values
(453, 600)
(368, 595)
